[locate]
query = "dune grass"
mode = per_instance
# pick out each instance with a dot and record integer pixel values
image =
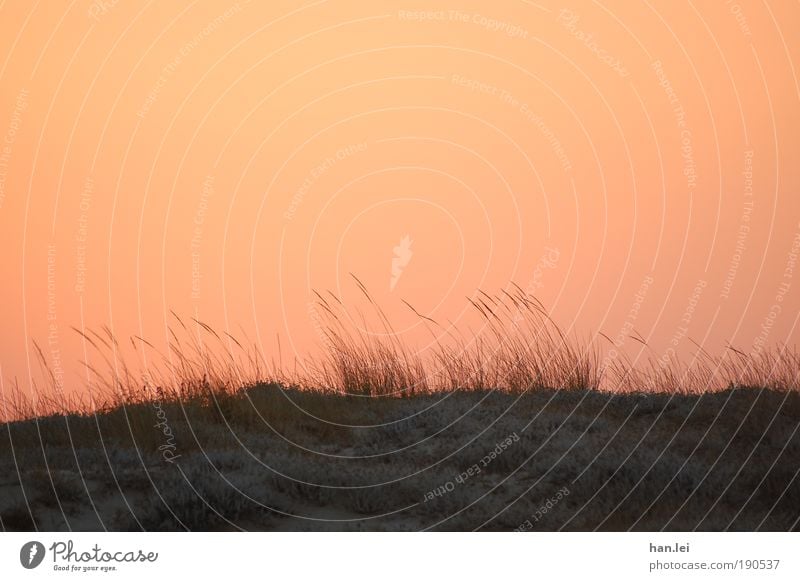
(518, 348)
(209, 435)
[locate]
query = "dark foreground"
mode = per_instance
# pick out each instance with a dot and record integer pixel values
(276, 459)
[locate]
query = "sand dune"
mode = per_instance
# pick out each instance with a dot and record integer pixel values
(283, 459)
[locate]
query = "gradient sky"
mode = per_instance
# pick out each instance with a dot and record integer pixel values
(634, 165)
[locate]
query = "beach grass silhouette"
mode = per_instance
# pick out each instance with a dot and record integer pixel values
(481, 431)
(519, 349)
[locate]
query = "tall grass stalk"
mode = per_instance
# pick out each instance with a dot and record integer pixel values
(517, 348)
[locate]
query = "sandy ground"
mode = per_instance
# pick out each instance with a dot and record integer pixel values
(287, 460)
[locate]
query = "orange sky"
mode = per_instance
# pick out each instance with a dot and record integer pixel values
(634, 166)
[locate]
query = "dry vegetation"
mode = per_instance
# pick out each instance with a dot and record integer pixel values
(359, 438)
(518, 349)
